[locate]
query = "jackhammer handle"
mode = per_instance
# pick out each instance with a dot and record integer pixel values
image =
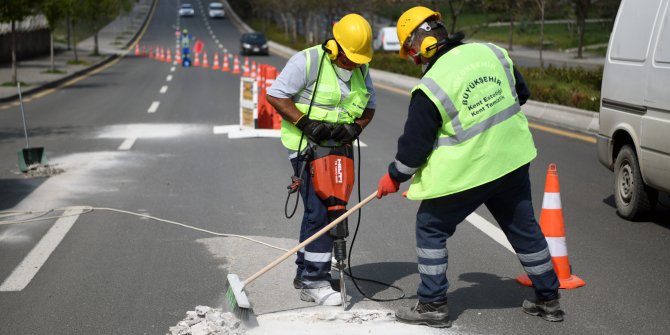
(309, 240)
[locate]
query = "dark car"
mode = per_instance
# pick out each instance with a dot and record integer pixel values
(254, 43)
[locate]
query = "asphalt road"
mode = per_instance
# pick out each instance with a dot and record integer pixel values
(115, 273)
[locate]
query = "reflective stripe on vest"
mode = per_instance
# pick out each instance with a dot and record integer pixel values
(484, 135)
(332, 103)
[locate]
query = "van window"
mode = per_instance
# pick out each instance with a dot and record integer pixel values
(633, 31)
(663, 48)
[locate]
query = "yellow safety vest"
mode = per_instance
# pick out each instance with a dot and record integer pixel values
(329, 105)
(484, 133)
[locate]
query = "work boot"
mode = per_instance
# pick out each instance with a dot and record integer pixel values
(433, 314)
(549, 310)
(325, 296)
(297, 283)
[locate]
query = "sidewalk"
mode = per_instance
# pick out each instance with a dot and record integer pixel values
(113, 40)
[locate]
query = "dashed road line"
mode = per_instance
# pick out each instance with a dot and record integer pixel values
(154, 107)
(489, 229)
(169, 77)
(127, 143)
(163, 89)
(24, 273)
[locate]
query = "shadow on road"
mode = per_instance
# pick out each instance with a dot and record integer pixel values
(660, 216)
(11, 134)
(15, 190)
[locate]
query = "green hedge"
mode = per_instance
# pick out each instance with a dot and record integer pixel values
(574, 87)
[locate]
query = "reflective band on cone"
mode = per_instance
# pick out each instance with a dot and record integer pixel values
(551, 223)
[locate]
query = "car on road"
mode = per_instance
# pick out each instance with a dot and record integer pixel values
(386, 40)
(215, 10)
(634, 132)
(186, 10)
(254, 43)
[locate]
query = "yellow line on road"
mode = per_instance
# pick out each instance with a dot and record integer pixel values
(548, 129)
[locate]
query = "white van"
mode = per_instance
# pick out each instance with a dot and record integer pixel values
(386, 40)
(634, 135)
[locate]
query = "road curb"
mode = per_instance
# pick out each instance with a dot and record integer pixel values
(84, 71)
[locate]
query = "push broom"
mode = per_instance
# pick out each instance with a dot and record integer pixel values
(238, 302)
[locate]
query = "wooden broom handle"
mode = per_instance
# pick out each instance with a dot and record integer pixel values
(309, 240)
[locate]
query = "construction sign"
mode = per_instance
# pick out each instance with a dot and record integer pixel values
(248, 102)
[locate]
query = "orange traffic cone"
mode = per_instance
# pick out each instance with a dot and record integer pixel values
(151, 53)
(161, 56)
(144, 51)
(253, 69)
(226, 66)
(216, 65)
(196, 59)
(168, 58)
(246, 67)
(205, 63)
(551, 223)
(177, 56)
(236, 65)
(137, 49)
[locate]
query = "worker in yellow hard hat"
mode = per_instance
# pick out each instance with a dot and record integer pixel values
(324, 93)
(467, 143)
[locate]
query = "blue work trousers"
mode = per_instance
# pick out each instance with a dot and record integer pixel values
(315, 260)
(509, 200)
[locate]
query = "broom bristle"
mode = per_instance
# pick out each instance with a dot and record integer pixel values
(238, 303)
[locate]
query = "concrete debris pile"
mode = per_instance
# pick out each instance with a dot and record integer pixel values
(42, 170)
(208, 321)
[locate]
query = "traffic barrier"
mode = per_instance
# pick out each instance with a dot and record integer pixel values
(246, 67)
(225, 67)
(216, 64)
(236, 65)
(196, 59)
(268, 118)
(551, 223)
(168, 58)
(205, 63)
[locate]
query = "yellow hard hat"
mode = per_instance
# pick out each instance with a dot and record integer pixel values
(354, 35)
(411, 19)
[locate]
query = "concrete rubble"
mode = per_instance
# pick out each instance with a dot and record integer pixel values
(205, 320)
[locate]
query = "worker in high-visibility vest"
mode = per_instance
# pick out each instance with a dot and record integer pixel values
(467, 143)
(323, 93)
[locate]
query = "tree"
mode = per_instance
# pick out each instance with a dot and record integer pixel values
(15, 11)
(540, 5)
(581, 12)
(95, 12)
(53, 11)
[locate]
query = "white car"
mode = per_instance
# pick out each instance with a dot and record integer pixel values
(186, 10)
(215, 10)
(386, 40)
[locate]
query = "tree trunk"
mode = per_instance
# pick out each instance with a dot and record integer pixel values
(74, 45)
(582, 27)
(51, 38)
(541, 34)
(68, 29)
(14, 70)
(96, 51)
(512, 7)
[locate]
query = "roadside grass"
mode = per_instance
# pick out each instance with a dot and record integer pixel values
(574, 87)
(55, 71)
(557, 36)
(11, 84)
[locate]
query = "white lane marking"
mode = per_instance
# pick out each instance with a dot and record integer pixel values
(154, 107)
(172, 69)
(28, 268)
(489, 229)
(169, 77)
(221, 47)
(127, 143)
(163, 89)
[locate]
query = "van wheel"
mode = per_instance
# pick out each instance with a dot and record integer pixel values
(633, 198)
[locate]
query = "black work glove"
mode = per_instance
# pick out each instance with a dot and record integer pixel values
(346, 133)
(316, 131)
